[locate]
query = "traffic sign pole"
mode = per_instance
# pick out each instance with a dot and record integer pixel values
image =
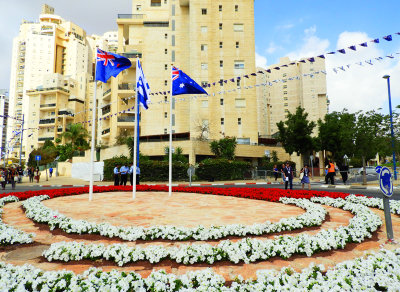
(386, 185)
(388, 218)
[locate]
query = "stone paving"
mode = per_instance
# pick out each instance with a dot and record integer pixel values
(181, 209)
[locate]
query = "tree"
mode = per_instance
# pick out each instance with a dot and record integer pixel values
(177, 155)
(224, 148)
(336, 134)
(295, 133)
(77, 135)
(274, 155)
(47, 156)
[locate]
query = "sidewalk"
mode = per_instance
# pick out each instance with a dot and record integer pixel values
(62, 181)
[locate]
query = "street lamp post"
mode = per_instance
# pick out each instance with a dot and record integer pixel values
(387, 77)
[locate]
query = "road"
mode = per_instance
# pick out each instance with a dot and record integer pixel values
(314, 186)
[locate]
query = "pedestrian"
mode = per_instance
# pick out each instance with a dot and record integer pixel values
(116, 175)
(137, 175)
(288, 172)
(12, 173)
(51, 171)
(124, 174)
(276, 172)
(31, 174)
(344, 172)
(282, 172)
(331, 173)
(305, 177)
(3, 178)
(131, 174)
(37, 174)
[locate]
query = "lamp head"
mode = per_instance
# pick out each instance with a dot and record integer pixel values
(386, 77)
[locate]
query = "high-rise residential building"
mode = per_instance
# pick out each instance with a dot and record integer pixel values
(3, 119)
(297, 84)
(51, 67)
(212, 42)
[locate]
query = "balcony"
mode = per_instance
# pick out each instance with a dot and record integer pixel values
(43, 139)
(130, 16)
(106, 110)
(105, 132)
(107, 92)
(126, 119)
(126, 86)
(132, 55)
(66, 112)
(48, 89)
(46, 121)
(59, 130)
(47, 105)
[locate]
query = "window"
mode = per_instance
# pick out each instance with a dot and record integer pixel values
(166, 36)
(237, 45)
(165, 131)
(238, 27)
(204, 66)
(221, 82)
(220, 26)
(286, 110)
(239, 64)
(166, 66)
(165, 82)
(285, 86)
(165, 115)
(138, 7)
(155, 3)
(286, 104)
(239, 121)
(285, 92)
(203, 48)
(166, 51)
(165, 1)
(240, 103)
(165, 99)
(204, 11)
(284, 75)
(220, 8)
(236, 8)
(204, 29)
(221, 64)
(285, 98)
(221, 101)
(238, 82)
(221, 44)
(204, 103)
(222, 121)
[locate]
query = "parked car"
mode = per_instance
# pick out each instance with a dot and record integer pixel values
(368, 169)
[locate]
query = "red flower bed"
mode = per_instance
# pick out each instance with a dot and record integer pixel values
(266, 194)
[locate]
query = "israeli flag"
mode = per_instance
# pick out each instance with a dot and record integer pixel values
(142, 87)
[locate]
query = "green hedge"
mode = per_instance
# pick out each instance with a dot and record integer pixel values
(149, 170)
(223, 169)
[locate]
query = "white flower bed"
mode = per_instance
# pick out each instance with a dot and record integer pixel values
(380, 271)
(375, 203)
(35, 210)
(8, 234)
(246, 250)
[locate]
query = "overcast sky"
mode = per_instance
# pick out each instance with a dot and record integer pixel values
(282, 28)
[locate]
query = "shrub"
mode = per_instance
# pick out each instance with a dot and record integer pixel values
(222, 169)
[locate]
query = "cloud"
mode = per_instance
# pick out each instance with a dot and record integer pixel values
(261, 61)
(285, 26)
(272, 48)
(312, 45)
(360, 87)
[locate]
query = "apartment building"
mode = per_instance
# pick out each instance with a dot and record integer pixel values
(213, 42)
(3, 119)
(51, 66)
(300, 83)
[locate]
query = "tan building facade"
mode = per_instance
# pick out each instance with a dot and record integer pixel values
(297, 84)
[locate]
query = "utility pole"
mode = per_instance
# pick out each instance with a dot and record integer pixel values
(20, 143)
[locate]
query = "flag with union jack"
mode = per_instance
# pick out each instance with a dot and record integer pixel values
(109, 64)
(183, 84)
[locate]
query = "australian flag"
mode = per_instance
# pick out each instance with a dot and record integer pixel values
(109, 64)
(183, 84)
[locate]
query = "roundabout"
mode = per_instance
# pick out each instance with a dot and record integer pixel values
(299, 229)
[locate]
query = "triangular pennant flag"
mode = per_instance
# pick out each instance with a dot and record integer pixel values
(247, 76)
(343, 51)
(375, 41)
(388, 38)
(353, 48)
(302, 61)
(284, 66)
(253, 74)
(269, 70)
(312, 60)
(348, 65)
(261, 72)
(332, 53)
(226, 81)
(232, 80)
(277, 68)
(321, 56)
(369, 62)
(390, 56)
(334, 70)
(293, 63)
(398, 33)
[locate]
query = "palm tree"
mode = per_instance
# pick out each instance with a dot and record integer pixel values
(76, 134)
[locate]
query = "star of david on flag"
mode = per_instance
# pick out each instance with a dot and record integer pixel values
(142, 86)
(109, 64)
(183, 84)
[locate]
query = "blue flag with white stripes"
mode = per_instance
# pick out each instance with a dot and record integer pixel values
(142, 86)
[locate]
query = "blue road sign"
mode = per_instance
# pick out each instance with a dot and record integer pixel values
(38, 157)
(385, 180)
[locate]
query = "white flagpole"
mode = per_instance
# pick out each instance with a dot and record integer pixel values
(135, 134)
(170, 139)
(93, 133)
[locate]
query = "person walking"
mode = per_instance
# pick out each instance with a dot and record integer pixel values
(288, 172)
(276, 172)
(344, 172)
(20, 174)
(37, 175)
(116, 175)
(51, 171)
(124, 174)
(3, 178)
(31, 174)
(12, 173)
(331, 173)
(282, 172)
(305, 177)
